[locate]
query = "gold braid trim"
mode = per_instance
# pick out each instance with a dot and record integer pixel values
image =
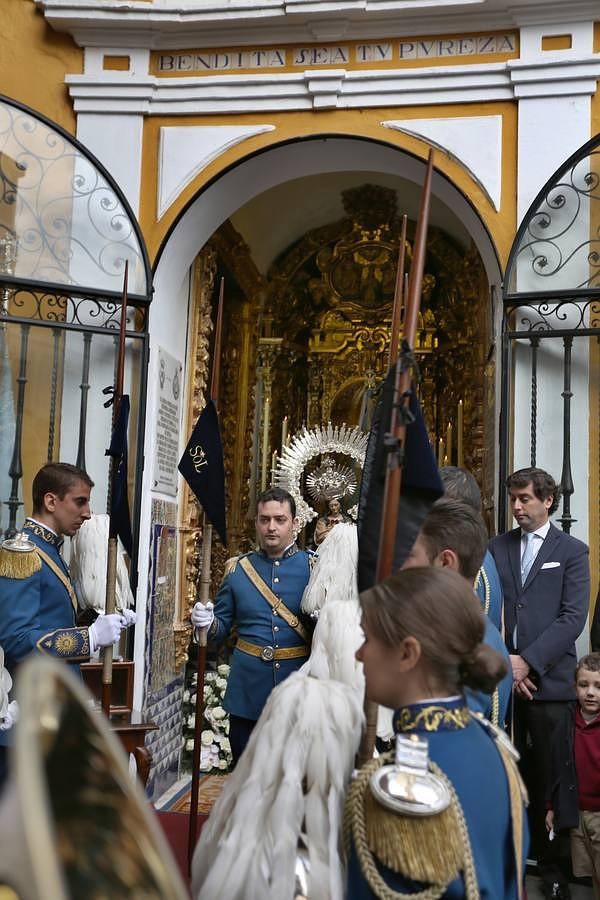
(518, 798)
(19, 564)
(430, 849)
(432, 718)
(487, 596)
(487, 591)
(495, 716)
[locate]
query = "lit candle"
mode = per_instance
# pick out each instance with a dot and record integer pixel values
(459, 437)
(440, 452)
(265, 444)
(284, 430)
(448, 443)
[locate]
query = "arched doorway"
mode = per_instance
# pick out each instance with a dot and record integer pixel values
(256, 216)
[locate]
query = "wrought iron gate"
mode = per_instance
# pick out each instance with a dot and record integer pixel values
(551, 326)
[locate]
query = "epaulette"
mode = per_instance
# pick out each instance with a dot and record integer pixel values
(428, 848)
(312, 558)
(18, 557)
(230, 565)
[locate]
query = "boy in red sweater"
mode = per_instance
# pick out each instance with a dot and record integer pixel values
(574, 801)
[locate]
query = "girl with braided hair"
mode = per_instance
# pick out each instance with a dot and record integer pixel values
(423, 631)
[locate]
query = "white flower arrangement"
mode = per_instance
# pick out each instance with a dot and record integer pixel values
(215, 749)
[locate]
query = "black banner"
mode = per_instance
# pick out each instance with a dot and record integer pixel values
(202, 467)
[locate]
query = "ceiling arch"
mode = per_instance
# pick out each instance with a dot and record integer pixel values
(314, 170)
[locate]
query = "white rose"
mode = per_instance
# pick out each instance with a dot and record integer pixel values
(223, 669)
(192, 721)
(222, 764)
(189, 744)
(218, 712)
(186, 696)
(207, 738)
(225, 745)
(221, 683)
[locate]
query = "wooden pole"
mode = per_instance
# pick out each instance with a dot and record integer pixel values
(393, 476)
(399, 294)
(397, 430)
(111, 561)
(203, 596)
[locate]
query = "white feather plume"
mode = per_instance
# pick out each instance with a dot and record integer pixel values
(336, 639)
(334, 573)
(5, 686)
(292, 777)
(89, 550)
(332, 590)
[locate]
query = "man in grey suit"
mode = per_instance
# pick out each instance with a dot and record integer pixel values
(546, 582)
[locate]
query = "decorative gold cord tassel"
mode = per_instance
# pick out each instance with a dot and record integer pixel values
(423, 848)
(18, 564)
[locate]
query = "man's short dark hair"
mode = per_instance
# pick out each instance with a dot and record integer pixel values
(454, 525)
(56, 478)
(460, 484)
(543, 484)
(279, 495)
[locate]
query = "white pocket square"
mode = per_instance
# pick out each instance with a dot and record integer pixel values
(551, 565)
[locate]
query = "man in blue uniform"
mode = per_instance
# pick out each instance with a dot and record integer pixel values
(454, 535)
(261, 596)
(460, 484)
(38, 605)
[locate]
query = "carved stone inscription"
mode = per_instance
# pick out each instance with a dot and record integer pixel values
(359, 54)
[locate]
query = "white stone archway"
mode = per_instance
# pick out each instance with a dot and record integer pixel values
(221, 199)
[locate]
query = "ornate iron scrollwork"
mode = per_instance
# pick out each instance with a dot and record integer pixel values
(73, 227)
(572, 315)
(557, 247)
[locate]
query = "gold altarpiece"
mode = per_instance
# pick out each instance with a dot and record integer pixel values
(307, 343)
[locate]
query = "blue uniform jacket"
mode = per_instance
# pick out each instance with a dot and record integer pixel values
(239, 603)
(467, 754)
(488, 588)
(484, 703)
(37, 613)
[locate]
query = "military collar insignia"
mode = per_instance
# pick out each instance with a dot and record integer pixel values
(443, 715)
(291, 550)
(44, 533)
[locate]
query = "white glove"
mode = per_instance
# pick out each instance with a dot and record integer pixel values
(105, 631)
(12, 715)
(129, 616)
(202, 616)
